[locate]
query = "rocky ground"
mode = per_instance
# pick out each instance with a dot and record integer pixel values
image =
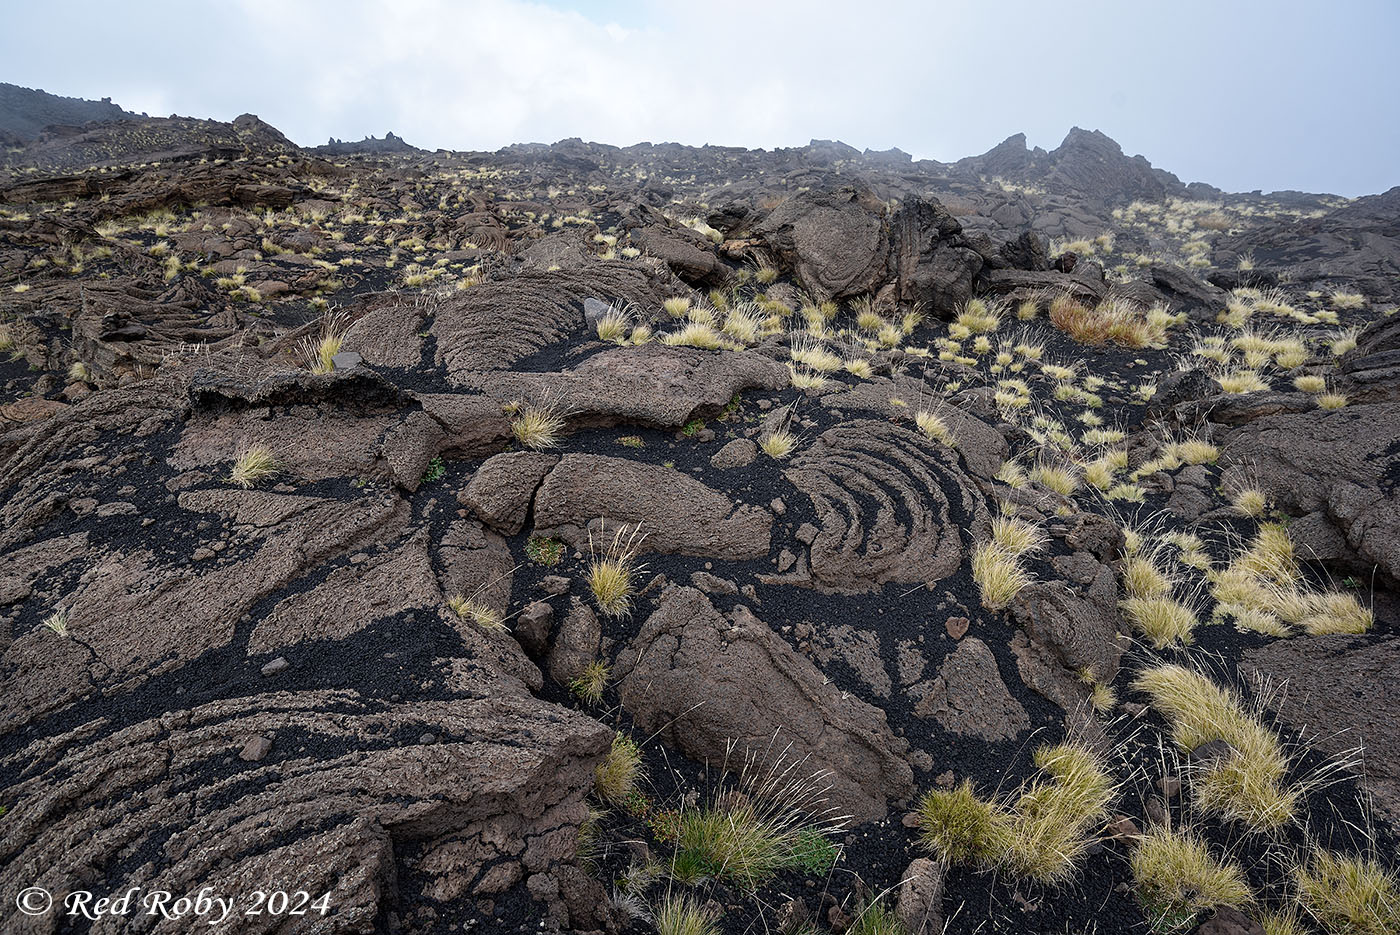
(377, 670)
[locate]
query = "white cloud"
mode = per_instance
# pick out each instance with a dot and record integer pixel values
(1268, 95)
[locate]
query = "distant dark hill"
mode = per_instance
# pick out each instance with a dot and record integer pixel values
(25, 112)
(367, 146)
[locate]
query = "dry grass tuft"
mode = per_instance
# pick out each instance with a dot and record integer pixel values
(1042, 834)
(318, 348)
(778, 443)
(935, 428)
(1113, 320)
(1249, 501)
(959, 827)
(538, 425)
(1178, 878)
(979, 316)
(612, 564)
(681, 914)
(998, 574)
(617, 776)
(588, 686)
(469, 608)
(775, 818)
(1350, 895)
(253, 466)
(1016, 536)
(1162, 620)
(1246, 786)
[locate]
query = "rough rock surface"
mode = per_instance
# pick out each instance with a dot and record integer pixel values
(1069, 636)
(890, 504)
(969, 697)
(657, 386)
(702, 679)
(503, 488)
(676, 512)
(1340, 690)
(1337, 466)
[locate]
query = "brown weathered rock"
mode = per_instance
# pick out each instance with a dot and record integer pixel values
(969, 697)
(738, 453)
(1341, 689)
(504, 786)
(1228, 921)
(890, 504)
(502, 489)
(575, 644)
(653, 385)
(677, 513)
(1067, 636)
(702, 680)
(919, 904)
(834, 241)
(1330, 463)
(495, 324)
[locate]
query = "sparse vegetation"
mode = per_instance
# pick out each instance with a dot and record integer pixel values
(617, 776)
(544, 551)
(1177, 878)
(611, 567)
(1246, 786)
(1042, 834)
(681, 914)
(998, 574)
(1349, 895)
(477, 611)
(778, 443)
(538, 425)
(588, 686)
(253, 466)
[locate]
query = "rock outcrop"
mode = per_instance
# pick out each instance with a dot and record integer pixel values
(704, 681)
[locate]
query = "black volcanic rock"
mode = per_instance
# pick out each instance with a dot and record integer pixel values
(1092, 164)
(24, 113)
(1356, 246)
(367, 146)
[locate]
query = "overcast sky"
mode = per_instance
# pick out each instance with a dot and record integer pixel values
(1244, 95)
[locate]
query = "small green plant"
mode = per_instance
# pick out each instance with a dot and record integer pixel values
(544, 551)
(588, 686)
(681, 914)
(772, 817)
(252, 467)
(631, 441)
(434, 471)
(693, 428)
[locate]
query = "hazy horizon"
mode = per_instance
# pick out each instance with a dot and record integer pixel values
(1256, 96)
